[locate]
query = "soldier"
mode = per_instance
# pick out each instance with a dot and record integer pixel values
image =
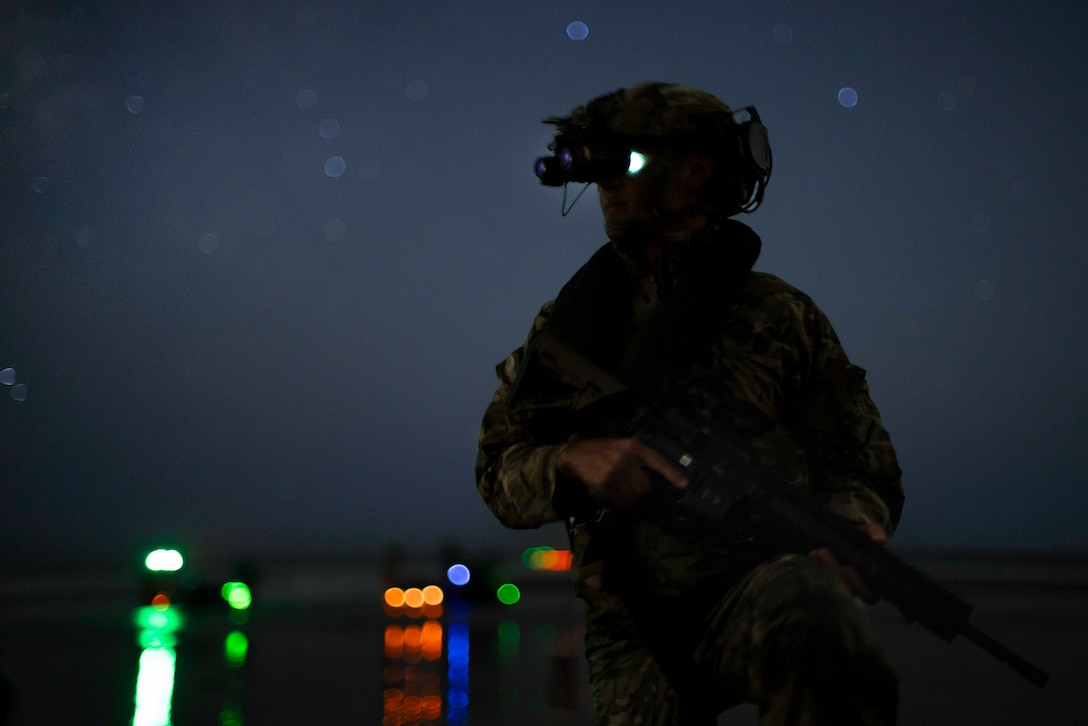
(681, 624)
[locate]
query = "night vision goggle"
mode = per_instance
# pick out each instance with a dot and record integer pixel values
(583, 155)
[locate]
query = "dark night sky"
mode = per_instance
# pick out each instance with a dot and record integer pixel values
(229, 339)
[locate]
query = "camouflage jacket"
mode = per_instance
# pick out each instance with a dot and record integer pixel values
(779, 353)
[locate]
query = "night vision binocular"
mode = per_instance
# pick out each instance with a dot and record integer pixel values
(582, 154)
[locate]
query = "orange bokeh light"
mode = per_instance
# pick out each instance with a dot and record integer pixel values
(413, 637)
(160, 602)
(413, 597)
(433, 595)
(394, 597)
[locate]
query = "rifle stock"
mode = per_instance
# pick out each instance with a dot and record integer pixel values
(726, 482)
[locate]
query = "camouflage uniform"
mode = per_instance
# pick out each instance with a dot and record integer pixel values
(680, 626)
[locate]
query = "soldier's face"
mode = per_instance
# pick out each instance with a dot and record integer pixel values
(664, 186)
(628, 197)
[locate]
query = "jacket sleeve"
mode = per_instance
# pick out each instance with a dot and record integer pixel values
(516, 475)
(853, 468)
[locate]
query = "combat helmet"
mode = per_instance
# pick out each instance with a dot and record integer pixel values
(596, 140)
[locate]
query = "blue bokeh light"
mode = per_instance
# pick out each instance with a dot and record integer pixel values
(577, 30)
(458, 575)
(334, 166)
(848, 97)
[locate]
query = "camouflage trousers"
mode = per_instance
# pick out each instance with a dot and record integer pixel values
(789, 637)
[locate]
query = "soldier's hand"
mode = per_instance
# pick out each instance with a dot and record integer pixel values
(616, 470)
(848, 574)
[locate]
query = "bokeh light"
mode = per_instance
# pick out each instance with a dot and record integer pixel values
(208, 243)
(458, 575)
(577, 30)
(235, 648)
(163, 560)
(433, 595)
(508, 594)
(154, 687)
(161, 601)
(329, 128)
(509, 639)
(335, 166)
(413, 597)
(306, 99)
(237, 595)
(547, 558)
(848, 97)
(394, 597)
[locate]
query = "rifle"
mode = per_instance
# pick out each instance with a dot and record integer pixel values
(725, 483)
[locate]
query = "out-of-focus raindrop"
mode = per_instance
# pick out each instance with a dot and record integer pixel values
(306, 99)
(208, 243)
(416, 90)
(335, 166)
(335, 230)
(40, 184)
(134, 104)
(946, 100)
(848, 97)
(980, 222)
(782, 33)
(7, 376)
(329, 128)
(19, 391)
(577, 30)
(984, 289)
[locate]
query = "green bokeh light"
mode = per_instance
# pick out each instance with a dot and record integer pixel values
(237, 595)
(164, 561)
(528, 555)
(508, 594)
(235, 647)
(509, 641)
(164, 621)
(154, 687)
